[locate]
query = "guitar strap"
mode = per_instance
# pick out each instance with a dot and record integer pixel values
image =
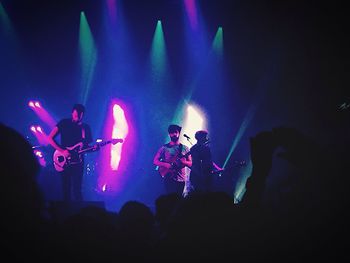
(82, 132)
(83, 138)
(181, 148)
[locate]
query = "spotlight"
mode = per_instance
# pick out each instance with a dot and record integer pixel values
(37, 104)
(32, 128)
(31, 104)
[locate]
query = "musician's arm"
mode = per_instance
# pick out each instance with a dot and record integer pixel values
(187, 161)
(51, 140)
(156, 160)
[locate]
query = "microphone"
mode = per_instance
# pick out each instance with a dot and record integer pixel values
(187, 137)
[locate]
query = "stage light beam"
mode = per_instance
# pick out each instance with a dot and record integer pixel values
(88, 57)
(159, 61)
(218, 42)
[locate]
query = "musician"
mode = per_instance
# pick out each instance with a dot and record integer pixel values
(172, 159)
(203, 167)
(72, 131)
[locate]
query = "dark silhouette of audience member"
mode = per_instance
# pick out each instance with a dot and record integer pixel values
(136, 222)
(25, 231)
(313, 164)
(165, 206)
(308, 214)
(262, 147)
(200, 228)
(92, 233)
(309, 221)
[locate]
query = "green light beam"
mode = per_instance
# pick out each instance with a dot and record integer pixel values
(159, 62)
(218, 42)
(88, 57)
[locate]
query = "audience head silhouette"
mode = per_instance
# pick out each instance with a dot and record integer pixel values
(20, 169)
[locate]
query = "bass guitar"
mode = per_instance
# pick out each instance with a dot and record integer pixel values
(61, 162)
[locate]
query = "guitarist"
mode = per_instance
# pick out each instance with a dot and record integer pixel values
(172, 159)
(201, 176)
(72, 131)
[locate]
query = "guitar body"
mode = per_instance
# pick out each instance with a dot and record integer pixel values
(60, 161)
(176, 166)
(175, 169)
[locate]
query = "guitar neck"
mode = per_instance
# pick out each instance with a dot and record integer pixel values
(100, 144)
(85, 150)
(104, 143)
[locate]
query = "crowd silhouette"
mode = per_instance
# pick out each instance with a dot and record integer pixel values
(308, 222)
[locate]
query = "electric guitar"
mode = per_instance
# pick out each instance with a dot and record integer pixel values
(61, 162)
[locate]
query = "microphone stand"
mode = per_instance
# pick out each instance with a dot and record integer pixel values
(188, 185)
(189, 140)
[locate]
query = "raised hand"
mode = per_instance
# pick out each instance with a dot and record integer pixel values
(96, 147)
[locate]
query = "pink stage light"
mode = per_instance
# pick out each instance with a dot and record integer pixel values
(120, 130)
(42, 113)
(112, 10)
(192, 13)
(114, 159)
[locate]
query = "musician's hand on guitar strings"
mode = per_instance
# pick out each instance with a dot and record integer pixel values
(96, 147)
(167, 165)
(66, 153)
(184, 161)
